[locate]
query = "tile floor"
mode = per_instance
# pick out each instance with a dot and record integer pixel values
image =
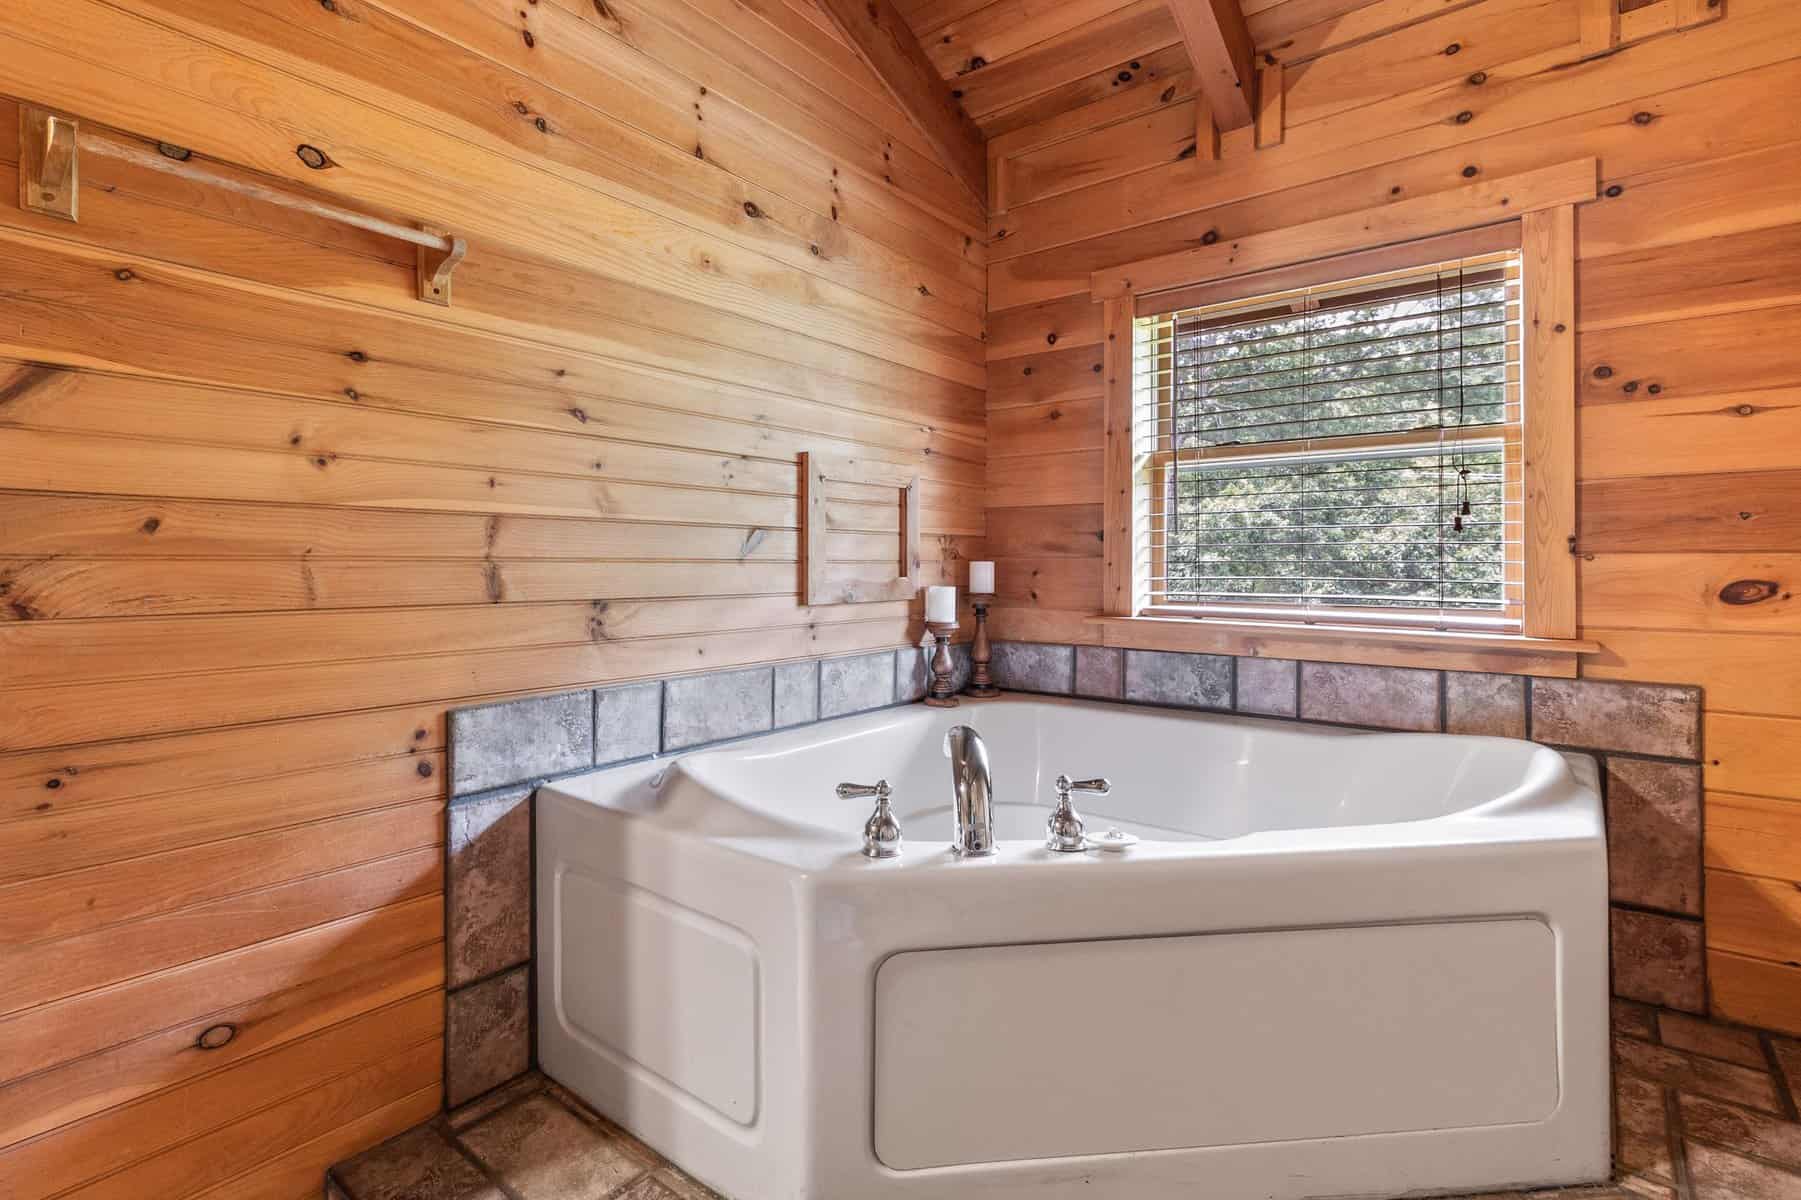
(1703, 1111)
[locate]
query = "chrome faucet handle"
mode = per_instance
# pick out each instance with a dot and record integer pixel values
(1064, 831)
(881, 833)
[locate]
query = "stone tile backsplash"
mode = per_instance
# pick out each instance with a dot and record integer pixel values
(1269, 687)
(1101, 672)
(1184, 680)
(487, 1034)
(1653, 831)
(713, 708)
(1489, 705)
(498, 744)
(487, 926)
(854, 685)
(1632, 718)
(1389, 697)
(628, 722)
(1031, 667)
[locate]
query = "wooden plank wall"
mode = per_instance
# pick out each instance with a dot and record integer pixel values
(264, 517)
(1690, 298)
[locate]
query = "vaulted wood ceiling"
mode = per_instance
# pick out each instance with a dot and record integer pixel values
(1013, 63)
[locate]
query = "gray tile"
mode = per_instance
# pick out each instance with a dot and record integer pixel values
(492, 1102)
(1490, 705)
(545, 1152)
(1268, 686)
(1642, 1143)
(1384, 697)
(912, 673)
(487, 1035)
(1634, 1019)
(725, 704)
(488, 884)
(796, 693)
(856, 684)
(1721, 1175)
(418, 1165)
(1692, 1073)
(1698, 1035)
(1188, 680)
(501, 744)
(1659, 960)
(1788, 1060)
(1654, 834)
(1101, 671)
(1637, 718)
(668, 1184)
(628, 722)
(1033, 667)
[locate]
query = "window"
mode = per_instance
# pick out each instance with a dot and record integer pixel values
(1348, 451)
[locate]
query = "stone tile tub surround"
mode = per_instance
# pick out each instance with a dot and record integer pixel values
(1648, 737)
(499, 753)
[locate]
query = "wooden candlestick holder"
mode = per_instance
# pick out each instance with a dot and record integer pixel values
(941, 694)
(981, 683)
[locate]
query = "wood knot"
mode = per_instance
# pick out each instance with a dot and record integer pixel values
(1210, 237)
(171, 150)
(1453, 49)
(1478, 79)
(1746, 410)
(1026, 371)
(151, 524)
(124, 275)
(53, 784)
(1642, 118)
(216, 1037)
(314, 158)
(356, 356)
(1741, 592)
(580, 414)
(1050, 339)
(352, 394)
(530, 41)
(543, 126)
(1465, 117)
(424, 768)
(1614, 191)
(1603, 372)
(751, 210)
(1471, 172)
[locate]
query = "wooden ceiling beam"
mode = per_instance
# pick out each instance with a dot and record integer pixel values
(884, 40)
(1220, 48)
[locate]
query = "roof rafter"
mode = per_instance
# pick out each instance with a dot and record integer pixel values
(883, 39)
(1220, 48)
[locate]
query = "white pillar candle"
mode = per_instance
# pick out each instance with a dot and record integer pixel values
(941, 605)
(981, 578)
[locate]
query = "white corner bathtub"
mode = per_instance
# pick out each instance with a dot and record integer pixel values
(1337, 963)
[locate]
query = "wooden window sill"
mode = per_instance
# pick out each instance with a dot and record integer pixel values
(1512, 654)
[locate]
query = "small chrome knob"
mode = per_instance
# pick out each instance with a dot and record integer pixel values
(1064, 831)
(881, 833)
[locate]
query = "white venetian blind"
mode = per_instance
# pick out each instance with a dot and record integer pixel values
(1343, 452)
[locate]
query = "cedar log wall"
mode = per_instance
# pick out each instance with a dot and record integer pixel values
(1690, 292)
(266, 516)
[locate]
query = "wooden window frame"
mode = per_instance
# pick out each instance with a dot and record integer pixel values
(1533, 211)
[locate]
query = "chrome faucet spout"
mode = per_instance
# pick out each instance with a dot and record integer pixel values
(972, 791)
